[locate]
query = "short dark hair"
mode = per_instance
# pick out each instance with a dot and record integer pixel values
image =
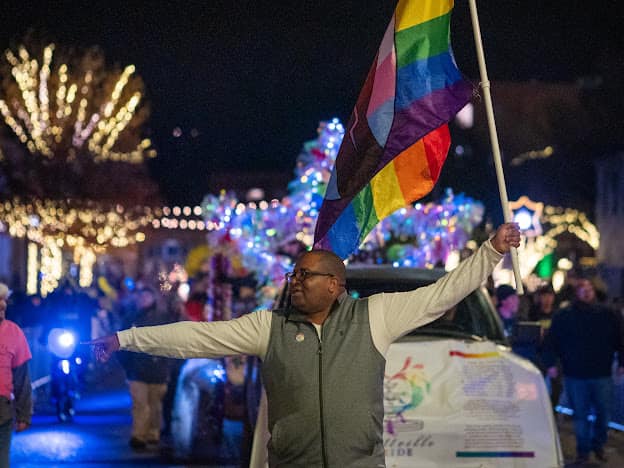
(504, 291)
(545, 289)
(331, 262)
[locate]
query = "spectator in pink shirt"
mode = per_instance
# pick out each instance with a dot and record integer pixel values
(14, 379)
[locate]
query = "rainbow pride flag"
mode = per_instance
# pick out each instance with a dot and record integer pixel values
(397, 138)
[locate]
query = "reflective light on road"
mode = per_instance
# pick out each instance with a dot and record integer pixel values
(49, 445)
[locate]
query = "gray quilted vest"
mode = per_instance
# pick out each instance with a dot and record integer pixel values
(325, 395)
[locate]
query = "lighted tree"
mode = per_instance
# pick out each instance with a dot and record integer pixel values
(74, 106)
(70, 111)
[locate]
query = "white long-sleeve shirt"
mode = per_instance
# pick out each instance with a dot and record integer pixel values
(391, 315)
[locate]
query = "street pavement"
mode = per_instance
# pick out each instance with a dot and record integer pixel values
(97, 437)
(99, 434)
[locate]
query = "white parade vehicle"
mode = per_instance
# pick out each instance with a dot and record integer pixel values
(454, 393)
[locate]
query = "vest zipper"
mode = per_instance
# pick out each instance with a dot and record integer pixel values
(320, 357)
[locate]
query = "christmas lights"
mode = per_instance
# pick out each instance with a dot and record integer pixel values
(67, 111)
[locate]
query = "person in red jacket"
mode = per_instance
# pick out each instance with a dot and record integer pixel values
(198, 297)
(14, 378)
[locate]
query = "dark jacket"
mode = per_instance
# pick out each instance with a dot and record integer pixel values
(144, 367)
(522, 344)
(22, 404)
(585, 338)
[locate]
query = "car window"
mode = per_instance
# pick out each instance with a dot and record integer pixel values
(473, 316)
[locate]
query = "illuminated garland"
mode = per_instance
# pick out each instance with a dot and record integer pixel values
(423, 235)
(64, 112)
(52, 227)
(85, 230)
(74, 225)
(573, 221)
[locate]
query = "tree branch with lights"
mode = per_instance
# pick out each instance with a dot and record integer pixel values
(68, 111)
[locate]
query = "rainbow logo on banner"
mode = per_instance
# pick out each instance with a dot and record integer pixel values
(404, 391)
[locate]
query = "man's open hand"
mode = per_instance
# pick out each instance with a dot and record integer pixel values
(507, 236)
(104, 347)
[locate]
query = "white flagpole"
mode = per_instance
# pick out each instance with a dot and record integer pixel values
(489, 110)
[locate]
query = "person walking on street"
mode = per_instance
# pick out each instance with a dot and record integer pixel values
(147, 376)
(585, 337)
(14, 379)
(320, 351)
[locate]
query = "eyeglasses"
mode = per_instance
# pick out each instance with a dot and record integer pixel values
(303, 274)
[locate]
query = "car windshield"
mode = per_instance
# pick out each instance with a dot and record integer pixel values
(473, 318)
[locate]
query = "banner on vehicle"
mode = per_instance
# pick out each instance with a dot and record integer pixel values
(464, 404)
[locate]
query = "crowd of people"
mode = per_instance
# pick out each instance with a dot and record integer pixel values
(576, 341)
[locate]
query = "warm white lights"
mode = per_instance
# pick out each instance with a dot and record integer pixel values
(62, 112)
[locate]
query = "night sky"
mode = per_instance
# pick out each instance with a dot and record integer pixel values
(252, 79)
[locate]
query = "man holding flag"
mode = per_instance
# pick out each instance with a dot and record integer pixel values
(324, 355)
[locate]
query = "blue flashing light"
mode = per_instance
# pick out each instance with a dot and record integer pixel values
(62, 342)
(66, 339)
(219, 374)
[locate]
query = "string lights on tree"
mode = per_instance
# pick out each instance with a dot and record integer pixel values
(70, 106)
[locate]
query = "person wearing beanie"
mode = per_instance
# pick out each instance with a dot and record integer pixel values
(507, 303)
(523, 337)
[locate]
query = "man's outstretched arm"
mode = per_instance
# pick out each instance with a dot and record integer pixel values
(395, 314)
(246, 335)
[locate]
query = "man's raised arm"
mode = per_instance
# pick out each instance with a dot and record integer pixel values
(398, 313)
